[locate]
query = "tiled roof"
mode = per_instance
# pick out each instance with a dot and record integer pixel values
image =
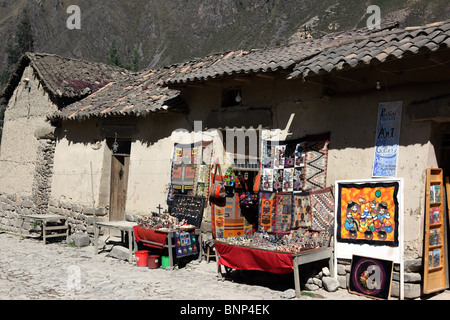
(155, 90)
(328, 53)
(376, 47)
(136, 94)
(65, 79)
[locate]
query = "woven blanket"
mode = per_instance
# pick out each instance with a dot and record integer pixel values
(302, 211)
(296, 165)
(227, 221)
(203, 170)
(322, 203)
(142, 233)
(183, 166)
(267, 208)
(316, 161)
(283, 213)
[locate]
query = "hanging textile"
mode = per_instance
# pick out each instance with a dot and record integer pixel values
(316, 161)
(183, 166)
(322, 204)
(302, 211)
(228, 221)
(267, 208)
(283, 213)
(296, 165)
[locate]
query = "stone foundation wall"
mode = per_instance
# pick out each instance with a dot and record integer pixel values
(80, 218)
(412, 277)
(12, 207)
(43, 175)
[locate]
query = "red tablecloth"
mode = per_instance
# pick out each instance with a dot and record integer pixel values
(141, 233)
(242, 258)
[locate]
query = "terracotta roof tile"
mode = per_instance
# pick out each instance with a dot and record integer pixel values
(65, 79)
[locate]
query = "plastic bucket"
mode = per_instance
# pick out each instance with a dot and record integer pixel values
(165, 262)
(153, 262)
(141, 258)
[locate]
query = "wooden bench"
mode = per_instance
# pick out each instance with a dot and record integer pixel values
(53, 231)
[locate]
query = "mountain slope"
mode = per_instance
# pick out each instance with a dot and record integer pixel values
(168, 31)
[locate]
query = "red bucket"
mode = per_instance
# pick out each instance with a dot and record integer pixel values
(153, 262)
(141, 258)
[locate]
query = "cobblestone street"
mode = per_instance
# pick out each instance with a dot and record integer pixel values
(30, 270)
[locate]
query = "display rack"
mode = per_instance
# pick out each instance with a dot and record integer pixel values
(434, 248)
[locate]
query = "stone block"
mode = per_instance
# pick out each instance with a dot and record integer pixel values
(311, 287)
(411, 290)
(120, 252)
(409, 277)
(342, 281)
(79, 239)
(288, 294)
(27, 203)
(330, 284)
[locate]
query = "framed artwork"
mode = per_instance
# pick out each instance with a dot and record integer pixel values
(371, 277)
(368, 213)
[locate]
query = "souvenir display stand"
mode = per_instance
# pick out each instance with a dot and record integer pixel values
(178, 232)
(247, 258)
(435, 238)
(291, 217)
(167, 239)
(369, 221)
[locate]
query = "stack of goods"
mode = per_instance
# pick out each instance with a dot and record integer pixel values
(164, 223)
(294, 242)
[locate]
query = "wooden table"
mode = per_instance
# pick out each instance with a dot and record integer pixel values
(263, 256)
(123, 226)
(43, 219)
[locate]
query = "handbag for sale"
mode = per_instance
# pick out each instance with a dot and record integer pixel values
(217, 191)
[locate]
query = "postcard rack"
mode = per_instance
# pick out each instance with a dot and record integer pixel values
(434, 248)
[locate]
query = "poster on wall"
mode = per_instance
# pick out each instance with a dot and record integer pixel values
(371, 277)
(368, 213)
(387, 139)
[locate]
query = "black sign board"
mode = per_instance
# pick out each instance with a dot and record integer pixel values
(189, 208)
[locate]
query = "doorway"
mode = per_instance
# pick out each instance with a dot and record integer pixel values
(118, 188)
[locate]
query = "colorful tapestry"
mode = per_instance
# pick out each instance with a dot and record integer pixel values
(266, 179)
(267, 209)
(368, 213)
(302, 211)
(316, 161)
(203, 170)
(322, 204)
(227, 221)
(296, 165)
(186, 243)
(183, 166)
(283, 213)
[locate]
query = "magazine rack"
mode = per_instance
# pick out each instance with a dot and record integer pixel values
(434, 248)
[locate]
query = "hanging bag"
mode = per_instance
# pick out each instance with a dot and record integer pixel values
(257, 181)
(217, 191)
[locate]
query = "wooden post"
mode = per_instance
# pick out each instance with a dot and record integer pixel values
(93, 212)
